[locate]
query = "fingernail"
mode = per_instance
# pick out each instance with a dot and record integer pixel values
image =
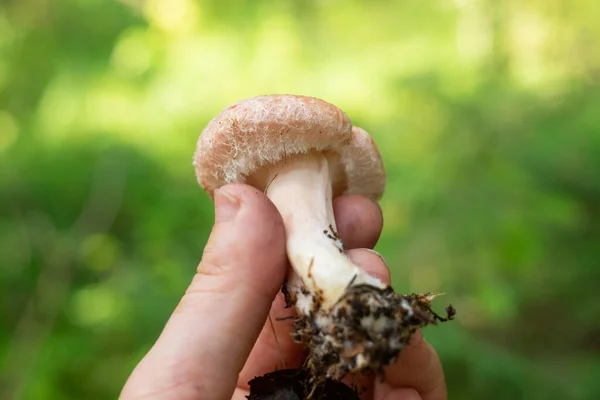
(226, 205)
(417, 337)
(378, 255)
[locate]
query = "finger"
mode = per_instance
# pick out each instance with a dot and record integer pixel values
(209, 336)
(400, 394)
(240, 394)
(371, 262)
(275, 348)
(358, 221)
(418, 367)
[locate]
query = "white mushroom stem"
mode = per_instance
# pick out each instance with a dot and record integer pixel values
(301, 189)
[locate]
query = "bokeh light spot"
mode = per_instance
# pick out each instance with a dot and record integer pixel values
(9, 130)
(94, 306)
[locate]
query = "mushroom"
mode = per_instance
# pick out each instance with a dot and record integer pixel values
(303, 152)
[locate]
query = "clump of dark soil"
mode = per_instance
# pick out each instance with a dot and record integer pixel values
(295, 384)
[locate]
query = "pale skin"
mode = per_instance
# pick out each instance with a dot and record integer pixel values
(219, 336)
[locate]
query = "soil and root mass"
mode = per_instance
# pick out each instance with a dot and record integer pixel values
(365, 331)
(348, 343)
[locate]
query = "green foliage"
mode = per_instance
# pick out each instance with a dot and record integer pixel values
(486, 113)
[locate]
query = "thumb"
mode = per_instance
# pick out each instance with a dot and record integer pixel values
(209, 336)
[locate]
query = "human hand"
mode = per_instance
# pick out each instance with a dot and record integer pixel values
(219, 336)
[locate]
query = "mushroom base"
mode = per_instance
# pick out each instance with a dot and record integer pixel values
(365, 331)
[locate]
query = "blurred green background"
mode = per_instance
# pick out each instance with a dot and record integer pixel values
(487, 113)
